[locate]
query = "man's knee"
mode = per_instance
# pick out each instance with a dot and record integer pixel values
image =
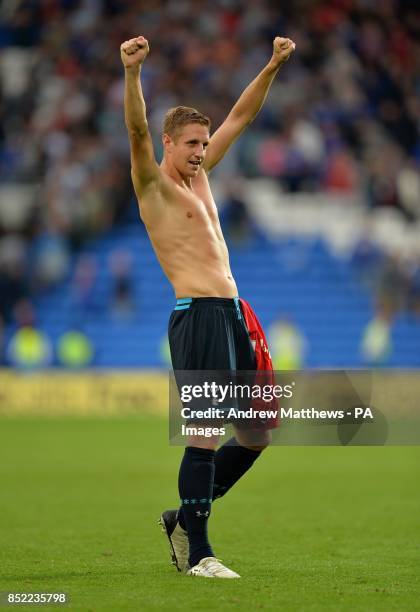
(203, 442)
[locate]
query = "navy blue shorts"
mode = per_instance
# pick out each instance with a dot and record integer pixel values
(210, 334)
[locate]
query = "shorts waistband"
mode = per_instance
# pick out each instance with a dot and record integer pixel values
(187, 302)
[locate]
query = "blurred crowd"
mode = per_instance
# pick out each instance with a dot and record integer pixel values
(343, 117)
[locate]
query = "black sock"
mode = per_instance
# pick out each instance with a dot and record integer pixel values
(195, 486)
(231, 462)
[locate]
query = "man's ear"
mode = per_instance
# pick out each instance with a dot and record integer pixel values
(166, 139)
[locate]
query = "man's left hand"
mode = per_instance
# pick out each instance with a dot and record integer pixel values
(282, 49)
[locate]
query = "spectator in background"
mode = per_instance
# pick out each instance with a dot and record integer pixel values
(408, 189)
(367, 260)
(82, 287)
(381, 172)
(13, 280)
(376, 343)
(74, 350)
(122, 303)
(341, 173)
(288, 345)
(50, 260)
(29, 348)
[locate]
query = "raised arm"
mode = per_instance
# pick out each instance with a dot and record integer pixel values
(144, 169)
(248, 105)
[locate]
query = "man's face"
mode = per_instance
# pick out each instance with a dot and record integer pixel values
(188, 148)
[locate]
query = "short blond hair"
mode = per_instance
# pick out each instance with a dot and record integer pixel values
(179, 116)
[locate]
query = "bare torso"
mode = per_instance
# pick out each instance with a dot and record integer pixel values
(187, 238)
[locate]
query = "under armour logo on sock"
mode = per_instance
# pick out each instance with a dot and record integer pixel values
(202, 500)
(206, 513)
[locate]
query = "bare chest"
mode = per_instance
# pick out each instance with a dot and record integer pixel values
(196, 207)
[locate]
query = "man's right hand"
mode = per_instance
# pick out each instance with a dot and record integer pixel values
(134, 52)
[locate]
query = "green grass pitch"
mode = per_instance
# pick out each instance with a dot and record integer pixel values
(308, 528)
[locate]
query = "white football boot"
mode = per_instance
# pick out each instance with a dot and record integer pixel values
(178, 539)
(210, 567)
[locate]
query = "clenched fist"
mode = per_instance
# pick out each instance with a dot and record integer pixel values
(282, 49)
(134, 51)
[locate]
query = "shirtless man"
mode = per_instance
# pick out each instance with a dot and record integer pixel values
(207, 329)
